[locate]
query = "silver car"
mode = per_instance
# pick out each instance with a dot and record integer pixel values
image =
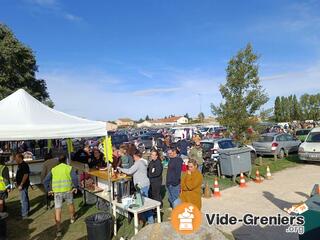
(276, 144)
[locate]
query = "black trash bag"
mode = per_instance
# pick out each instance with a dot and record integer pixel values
(103, 205)
(99, 226)
(3, 226)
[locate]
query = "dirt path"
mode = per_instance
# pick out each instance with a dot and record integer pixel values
(268, 198)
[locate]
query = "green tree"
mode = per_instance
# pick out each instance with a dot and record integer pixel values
(201, 117)
(305, 106)
(277, 109)
(140, 120)
(283, 108)
(242, 94)
(296, 109)
(187, 116)
(18, 68)
(314, 107)
(266, 114)
(147, 118)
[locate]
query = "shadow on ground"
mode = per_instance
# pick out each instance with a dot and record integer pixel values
(281, 204)
(268, 232)
(265, 233)
(50, 232)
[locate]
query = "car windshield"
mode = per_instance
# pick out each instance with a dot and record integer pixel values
(146, 137)
(226, 144)
(265, 139)
(204, 129)
(119, 138)
(207, 146)
(313, 137)
(302, 132)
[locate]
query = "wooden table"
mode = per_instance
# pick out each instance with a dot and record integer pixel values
(102, 178)
(149, 204)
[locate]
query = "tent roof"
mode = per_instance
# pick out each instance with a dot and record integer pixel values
(22, 117)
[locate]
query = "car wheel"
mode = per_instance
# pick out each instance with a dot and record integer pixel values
(281, 154)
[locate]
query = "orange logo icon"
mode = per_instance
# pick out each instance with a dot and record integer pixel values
(186, 218)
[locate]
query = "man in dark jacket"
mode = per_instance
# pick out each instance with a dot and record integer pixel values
(155, 169)
(82, 155)
(174, 177)
(183, 145)
(23, 183)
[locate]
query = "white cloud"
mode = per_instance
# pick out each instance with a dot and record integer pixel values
(146, 74)
(295, 82)
(72, 17)
(152, 91)
(97, 95)
(46, 3)
(53, 6)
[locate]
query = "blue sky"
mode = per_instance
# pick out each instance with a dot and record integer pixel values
(108, 59)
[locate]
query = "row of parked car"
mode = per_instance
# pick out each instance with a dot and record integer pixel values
(306, 142)
(269, 144)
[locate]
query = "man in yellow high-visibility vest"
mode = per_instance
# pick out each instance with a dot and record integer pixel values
(4, 182)
(64, 183)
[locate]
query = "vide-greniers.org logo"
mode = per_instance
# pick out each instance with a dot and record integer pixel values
(186, 219)
(294, 223)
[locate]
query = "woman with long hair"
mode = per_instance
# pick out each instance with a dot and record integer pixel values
(155, 169)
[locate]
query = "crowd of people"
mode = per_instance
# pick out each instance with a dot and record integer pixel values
(182, 182)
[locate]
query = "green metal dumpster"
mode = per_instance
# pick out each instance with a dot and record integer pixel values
(312, 219)
(233, 161)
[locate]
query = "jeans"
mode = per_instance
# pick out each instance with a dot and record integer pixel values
(200, 166)
(148, 214)
(173, 195)
(24, 199)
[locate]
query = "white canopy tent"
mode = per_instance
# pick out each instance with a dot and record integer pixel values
(22, 117)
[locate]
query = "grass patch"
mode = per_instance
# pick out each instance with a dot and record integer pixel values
(275, 166)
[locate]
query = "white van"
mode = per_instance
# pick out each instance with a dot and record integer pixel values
(309, 150)
(182, 133)
(208, 129)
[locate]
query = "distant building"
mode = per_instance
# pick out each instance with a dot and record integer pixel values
(111, 126)
(171, 121)
(124, 122)
(145, 124)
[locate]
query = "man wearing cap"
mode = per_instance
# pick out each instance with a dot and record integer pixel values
(64, 183)
(196, 153)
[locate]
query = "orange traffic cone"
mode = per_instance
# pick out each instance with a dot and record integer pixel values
(258, 178)
(216, 190)
(318, 190)
(268, 176)
(242, 181)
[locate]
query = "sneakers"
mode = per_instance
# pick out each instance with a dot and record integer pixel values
(72, 220)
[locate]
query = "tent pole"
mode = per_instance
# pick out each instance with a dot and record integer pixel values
(109, 166)
(69, 152)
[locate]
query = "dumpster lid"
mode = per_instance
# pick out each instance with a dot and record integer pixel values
(234, 151)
